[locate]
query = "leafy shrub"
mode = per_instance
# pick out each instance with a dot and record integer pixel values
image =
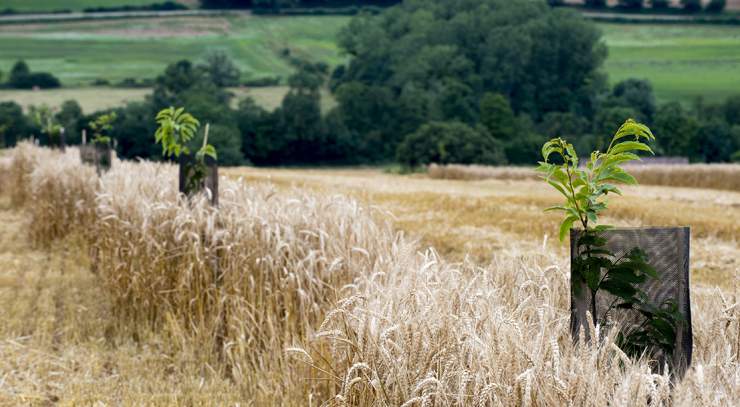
(735, 157)
(70, 117)
(635, 94)
(21, 77)
(496, 115)
(43, 116)
(13, 124)
(449, 142)
(101, 127)
(221, 69)
(676, 129)
(715, 141)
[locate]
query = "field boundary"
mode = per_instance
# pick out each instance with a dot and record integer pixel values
(642, 18)
(112, 15)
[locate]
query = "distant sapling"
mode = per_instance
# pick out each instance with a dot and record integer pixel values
(176, 129)
(101, 127)
(43, 116)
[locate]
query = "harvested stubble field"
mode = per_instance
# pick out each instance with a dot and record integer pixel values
(315, 297)
(703, 176)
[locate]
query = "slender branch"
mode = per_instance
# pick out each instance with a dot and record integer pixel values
(582, 218)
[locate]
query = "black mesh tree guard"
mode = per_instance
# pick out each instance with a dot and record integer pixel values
(187, 172)
(667, 250)
(98, 155)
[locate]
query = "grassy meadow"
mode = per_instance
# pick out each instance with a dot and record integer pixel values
(682, 61)
(80, 52)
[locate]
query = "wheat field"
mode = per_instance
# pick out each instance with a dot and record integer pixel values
(326, 287)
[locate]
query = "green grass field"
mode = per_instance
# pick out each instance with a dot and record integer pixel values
(682, 61)
(33, 6)
(80, 52)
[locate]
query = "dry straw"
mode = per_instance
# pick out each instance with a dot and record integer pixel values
(296, 296)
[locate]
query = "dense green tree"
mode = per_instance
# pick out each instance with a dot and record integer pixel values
(526, 146)
(296, 132)
(675, 129)
(636, 94)
(607, 123)
(70, 117)
(450, 142)
(370, 113)
(21, 77)
(735, 158)
(134, 129)
(221, 69)
(715, 141)
(731, 109)
(19, 73)
(252, 121)
(177, 78)
(299, 120)
(563, 124)
(13, 124)
(496, 115)
(181, 80)
(433, 60)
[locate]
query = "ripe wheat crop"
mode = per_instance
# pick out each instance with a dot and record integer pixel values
(299, 298)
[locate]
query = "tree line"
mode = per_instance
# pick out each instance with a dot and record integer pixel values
(463, 81)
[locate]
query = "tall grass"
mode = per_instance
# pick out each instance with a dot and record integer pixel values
(712, 176)
(303, 298)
